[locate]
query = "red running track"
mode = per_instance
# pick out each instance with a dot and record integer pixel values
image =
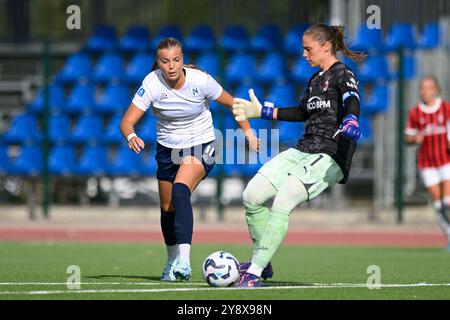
(305, 237)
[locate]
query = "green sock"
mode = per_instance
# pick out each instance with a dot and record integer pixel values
(257, 217)
(273, 236)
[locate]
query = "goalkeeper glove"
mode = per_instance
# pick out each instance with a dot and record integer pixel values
(350, 127)
(244, 109)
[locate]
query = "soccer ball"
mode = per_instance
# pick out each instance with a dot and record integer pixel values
(221, 269)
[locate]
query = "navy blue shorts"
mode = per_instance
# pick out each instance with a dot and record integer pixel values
(168, 160)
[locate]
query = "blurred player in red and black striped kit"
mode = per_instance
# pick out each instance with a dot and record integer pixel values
(429, 126)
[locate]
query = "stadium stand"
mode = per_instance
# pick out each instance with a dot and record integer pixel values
(94, 87)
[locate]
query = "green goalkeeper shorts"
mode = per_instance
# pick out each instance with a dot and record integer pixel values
(316, 171)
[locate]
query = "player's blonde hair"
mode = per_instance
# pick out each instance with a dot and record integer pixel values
(335, 35)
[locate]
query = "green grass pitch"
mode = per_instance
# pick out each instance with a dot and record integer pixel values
(131, 271)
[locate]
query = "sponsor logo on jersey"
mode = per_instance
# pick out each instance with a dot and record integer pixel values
(352, 84)
(163, 96)
(141, 92)
(325, 85)
(433, 129)
(317, 103)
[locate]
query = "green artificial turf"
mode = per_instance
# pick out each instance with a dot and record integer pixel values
(131, 271)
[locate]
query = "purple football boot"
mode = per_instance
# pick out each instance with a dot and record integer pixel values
(249, 280)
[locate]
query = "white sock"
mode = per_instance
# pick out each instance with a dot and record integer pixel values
(255, 269)
(443, 224)
(446, 200)
(184, 251)
(437, 204)
(172, 252)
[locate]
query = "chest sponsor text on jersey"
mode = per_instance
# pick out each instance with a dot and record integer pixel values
(317, 103)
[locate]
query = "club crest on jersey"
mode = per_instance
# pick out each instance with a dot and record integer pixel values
(195, 92)
(141, 92)
(325, 85)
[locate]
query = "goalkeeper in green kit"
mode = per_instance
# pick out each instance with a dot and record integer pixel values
(330, 109)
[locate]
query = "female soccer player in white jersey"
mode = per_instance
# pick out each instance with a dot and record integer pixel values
(428, 125)
(322, 157)
(179, 96)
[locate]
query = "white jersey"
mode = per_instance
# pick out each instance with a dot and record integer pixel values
(184, 119)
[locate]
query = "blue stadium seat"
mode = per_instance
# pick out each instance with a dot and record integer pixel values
(201, 38)
(137, 38)
(139, 66)
(240, 163)
(366, 129)
(272, 69)
(241, 67)
(378, 100)
(147, 129)
(23, 130)
(250, 169)
(62, 161)
(87, 130)
(112, 133)
(59, 130)
(292, 42)
(267, 38)
(148, 168)
(57, 100)
(282, 95)
(353, 65)
(103, 39)
(400, 35)
(167, 31)
(126, 162)
(29, 162)
(367, 40)
(301, 71)
(209, 61)
(81, 99)
(109, 69)
(78, 68)
(373, 69)
(114, 99)
(409, 67)
(290, 132)
(93, 161)
(5, 161)
(235, 38)
(242, 91)
(430, 37)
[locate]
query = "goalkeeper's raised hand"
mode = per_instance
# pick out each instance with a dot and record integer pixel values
(244, 109)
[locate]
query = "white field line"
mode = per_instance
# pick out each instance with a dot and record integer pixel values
(101, 283)
(314, 286)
